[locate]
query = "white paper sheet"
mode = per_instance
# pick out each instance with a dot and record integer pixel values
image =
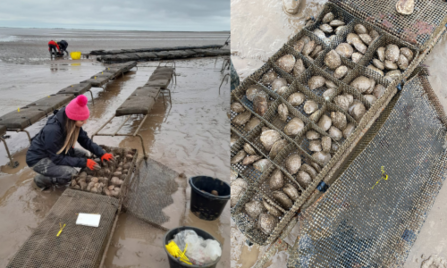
(86, 219)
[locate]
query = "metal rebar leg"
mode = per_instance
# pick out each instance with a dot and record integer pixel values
(91, 93)
(27, 133)
(142, 146)
(12, 163)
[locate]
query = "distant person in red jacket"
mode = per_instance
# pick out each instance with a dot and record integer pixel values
(53, 47)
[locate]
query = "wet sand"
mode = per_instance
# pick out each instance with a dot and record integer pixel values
(259, 29)
(191, 137)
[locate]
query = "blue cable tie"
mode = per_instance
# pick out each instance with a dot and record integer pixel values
(322, 187)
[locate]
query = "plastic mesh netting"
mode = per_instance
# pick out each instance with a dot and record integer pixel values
(77, 246)
(372, 213)
(428, 18)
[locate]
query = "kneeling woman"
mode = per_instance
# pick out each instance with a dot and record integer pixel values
(52, 154)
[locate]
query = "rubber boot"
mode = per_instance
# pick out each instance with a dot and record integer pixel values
(43, 182)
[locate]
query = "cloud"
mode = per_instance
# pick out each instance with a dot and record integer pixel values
(151, 15)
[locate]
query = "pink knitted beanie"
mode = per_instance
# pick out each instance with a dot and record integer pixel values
(77, 109)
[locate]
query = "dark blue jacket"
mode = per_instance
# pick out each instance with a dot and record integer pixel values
(50, 140)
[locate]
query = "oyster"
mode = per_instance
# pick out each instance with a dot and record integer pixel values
(339, 120)
(309, 170)
(407, 53)
(242, 118)
(360, 29)
(277, 147)
(294, 127)
(271, 209)
(269, 77)
(402, 62)
(390, 65)
(309, 47)
(283, 199)
(343, 102)
(316, 51)
(249, 149)
(340, 29)
(315, 115)
(326, 144)
(316, 82)
(330, 93)
(391, 75)
(299, 68)
(238, 157)
(262, 165)
(365, 38)
(361, 83)
(252, 91)
(282, 90)
(254, 122)
(357, 110)
(352, 37)
(315, 146)
(276, 180)
(326, 28)
(299, 45)
(332, 59)
(322, 157)
(250, 159)
(293, 163)
(310, 106)
(359, 46)
(392, 53)
(286, 62)
(335, 133)
(371, 88)
(381, 54)
(304, 179)
(356, 57)
(340, 72)
(283, 112)
(325, 122)
(378, 64)
(328, 17)
(320, 35)
(269, 137)
(348, 130)
(372, 67)
(374, 34)
(291, 191)
(379, 90)
(312, 135)
(253, 209)
(344, 50)
(237, 107)
(296, 99)
(336, 23)
(405, 7)
(278, 83)
(330, 84)
(370, 98)
(267, 223)
(260, 105)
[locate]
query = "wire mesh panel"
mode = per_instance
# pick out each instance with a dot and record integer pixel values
(428, 18)
(77, 246)
(152, 191)
(371, 215)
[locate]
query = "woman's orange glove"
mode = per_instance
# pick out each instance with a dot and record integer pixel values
(107, 157)
(91, 164)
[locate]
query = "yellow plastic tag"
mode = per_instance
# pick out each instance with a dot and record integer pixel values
(95, 77)
(383, 177)
(175, 251)
(18, 110)
(62, 228)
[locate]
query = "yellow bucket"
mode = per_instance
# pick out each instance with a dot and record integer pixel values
(75, 55)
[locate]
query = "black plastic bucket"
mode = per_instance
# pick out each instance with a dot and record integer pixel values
(205, 205)
(173, 262)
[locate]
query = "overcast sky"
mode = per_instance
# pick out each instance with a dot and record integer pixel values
(151, 15)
